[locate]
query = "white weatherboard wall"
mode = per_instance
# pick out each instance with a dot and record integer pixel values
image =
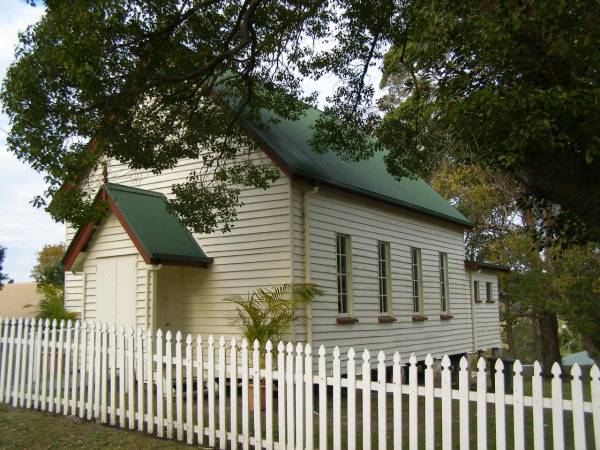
(487, 315)
(256, 253)
(368, 222)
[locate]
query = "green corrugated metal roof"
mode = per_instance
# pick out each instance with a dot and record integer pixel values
(163, 237)
(290, 141)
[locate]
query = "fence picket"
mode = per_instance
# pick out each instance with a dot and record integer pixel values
(210, 384)
(74, 369)
(200, 388)
(104, 374)
(268, 396)
(178, 386)
(595, 391)
(578, 414)
(149, 382)
(397, 381)
(481, 405)
(97, 369)
(500, 408)
(113, 374)
(446, 404)
(91, 351)
(281, 419)
(168, 384)
(233, 394)
(222, 394)
(82, 368)
(518, 407)
(31, 365)
(381, 401)
(558, 439)
(337, 400)
(245, 420)
(121, 375)
(351, 399)
(189, 389)
(538, 408)
(413, 404)
(24, 354)
(130, 373)
(308, 375)
(256, 395)
(366, 400)
(322, 399)
(68, 350)
(139, 357)
(45, 357)
(429, 411)
(299, 397)
(160, 399)
(4, 329)
(18, 357)
(289, 384)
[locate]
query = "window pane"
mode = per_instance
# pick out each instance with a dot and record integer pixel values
(342, 273)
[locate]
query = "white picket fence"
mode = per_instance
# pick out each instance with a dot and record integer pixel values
(102, 373)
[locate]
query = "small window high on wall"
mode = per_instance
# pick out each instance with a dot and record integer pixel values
(384, 277)
(476, 293)
(444, 285)
(344, 275)
(417, 285)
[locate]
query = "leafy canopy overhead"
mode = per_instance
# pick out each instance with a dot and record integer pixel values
(510, 86)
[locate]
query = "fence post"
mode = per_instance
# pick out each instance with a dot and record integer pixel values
(245, 419)
(499, 405)
(429, 412)
(160, 398)
(351, 398)
(200, 388)
(366, 400)
(464, 389)
(481, 405)
(446, 404)
(518, 406)
(308, 374)
(139, 352)
(558, 438)
(413, 404)
(149, 381)
(168, 388)
(299, 397)
(289, 384)
(210, 384)
(578, 414)
(233, 386)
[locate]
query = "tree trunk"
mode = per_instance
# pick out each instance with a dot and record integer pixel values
(591, 347)
(548, 339)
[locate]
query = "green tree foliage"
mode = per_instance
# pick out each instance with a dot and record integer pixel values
(266, 314)
(49, 268)
(512, 86)
(3, 276)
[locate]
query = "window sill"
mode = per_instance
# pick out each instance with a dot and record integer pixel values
(386, 319)
(490, 301)
(446, 316)
(477, 301)
(419, 318)
(346, 320)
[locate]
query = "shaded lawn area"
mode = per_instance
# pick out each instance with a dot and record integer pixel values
(22, 428)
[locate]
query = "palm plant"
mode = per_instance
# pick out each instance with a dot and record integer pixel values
(266, 314)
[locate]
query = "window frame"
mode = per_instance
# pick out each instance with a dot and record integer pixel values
(347, 311)
(416, 270)
(489, 292)
(476, 291)
(384, 280)
(444, 283)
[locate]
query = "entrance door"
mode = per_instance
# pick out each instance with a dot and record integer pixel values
(116, 290)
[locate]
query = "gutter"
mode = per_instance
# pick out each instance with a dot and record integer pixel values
(306, 195)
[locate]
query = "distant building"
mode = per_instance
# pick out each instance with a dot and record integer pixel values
(15, 296)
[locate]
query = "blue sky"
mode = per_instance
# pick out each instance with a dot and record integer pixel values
(24, 230)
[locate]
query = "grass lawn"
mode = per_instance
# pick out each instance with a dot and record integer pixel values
(21, 428)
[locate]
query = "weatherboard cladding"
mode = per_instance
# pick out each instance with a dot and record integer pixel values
(289, 142)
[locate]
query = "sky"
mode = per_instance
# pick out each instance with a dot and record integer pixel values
(24, 230)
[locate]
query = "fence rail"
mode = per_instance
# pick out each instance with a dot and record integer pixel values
(230, 395)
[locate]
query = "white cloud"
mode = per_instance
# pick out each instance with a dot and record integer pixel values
(23, 229)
